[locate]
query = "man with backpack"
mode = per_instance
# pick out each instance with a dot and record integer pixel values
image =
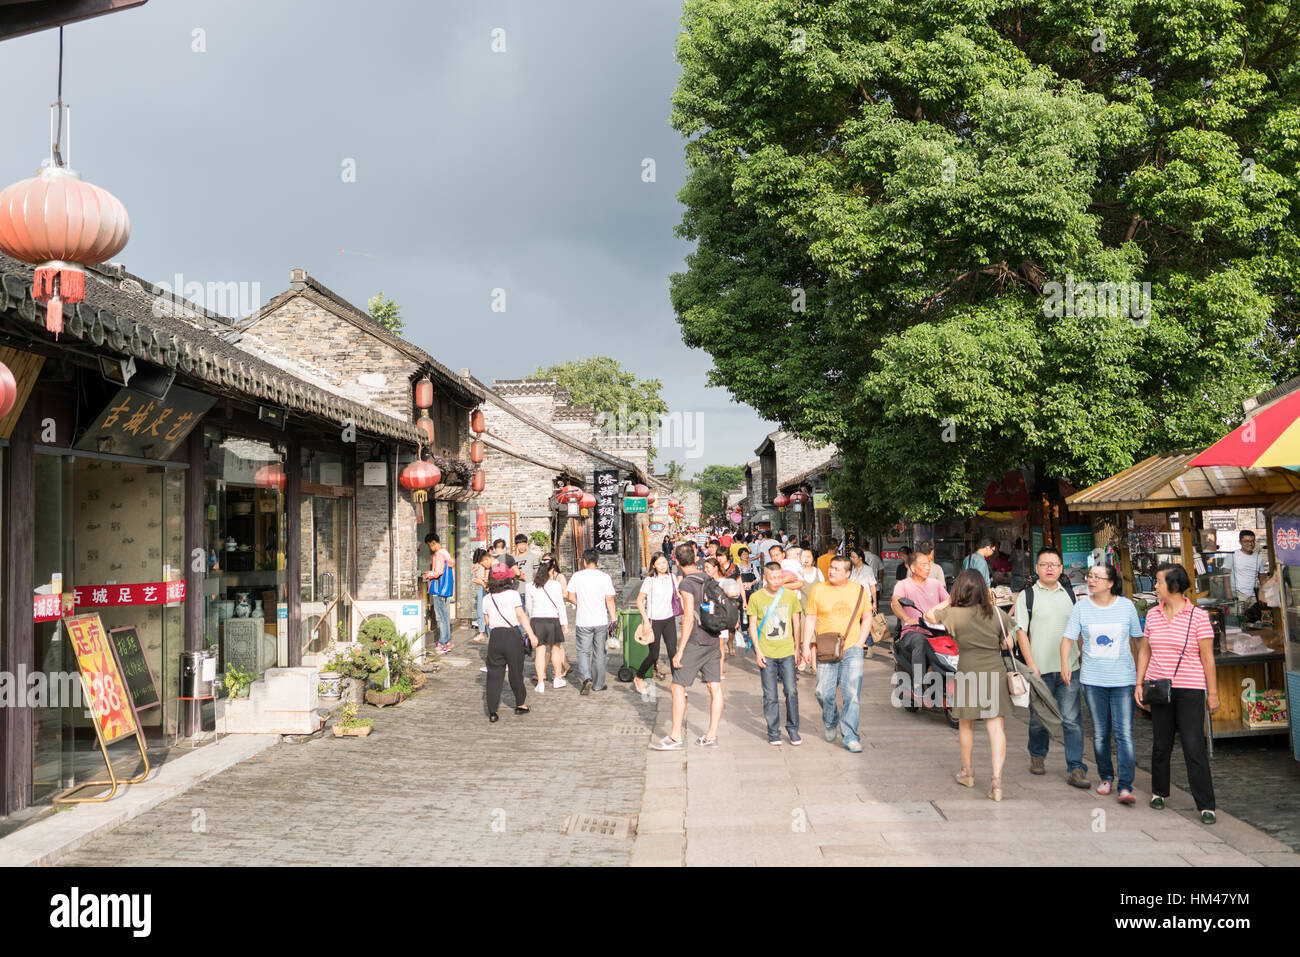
(1042, 612)
(705, 614)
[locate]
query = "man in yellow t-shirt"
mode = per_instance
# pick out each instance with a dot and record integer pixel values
(842, 607)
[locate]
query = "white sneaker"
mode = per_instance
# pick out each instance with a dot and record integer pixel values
(541, 686)
(559, 683)
(483, 669)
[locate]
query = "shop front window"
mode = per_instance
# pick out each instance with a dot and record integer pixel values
(109, 536)
(245, 601)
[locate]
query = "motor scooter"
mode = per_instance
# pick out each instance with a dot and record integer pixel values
(940, 668)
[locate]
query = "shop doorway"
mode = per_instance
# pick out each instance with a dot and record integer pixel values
(326, 606)
(109, 538)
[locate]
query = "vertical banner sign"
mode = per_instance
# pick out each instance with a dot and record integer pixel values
(1286, 539)
(607, 519)
(106, 692)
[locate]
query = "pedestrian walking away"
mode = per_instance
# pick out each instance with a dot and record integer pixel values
(591, 592)
(1042, 613)
(1105, 620)
(774, 620)
(505, 650)
(1178, 648)
(544, 602)
(698, 653)
(483, 563)
(442, 583)
(655, 603)
(981, 633)
(839, 608)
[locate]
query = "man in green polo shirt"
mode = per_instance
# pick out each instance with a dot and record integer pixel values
(1039, 631)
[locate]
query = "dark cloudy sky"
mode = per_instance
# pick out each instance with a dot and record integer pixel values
(475, 170)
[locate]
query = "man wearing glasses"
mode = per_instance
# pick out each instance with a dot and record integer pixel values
(1040, 625)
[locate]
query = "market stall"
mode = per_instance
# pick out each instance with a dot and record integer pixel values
(1171, 491)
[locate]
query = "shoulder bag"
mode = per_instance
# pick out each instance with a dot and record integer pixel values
(677, 597)
(528, 645)
(1017, 684)
(1161, 690)
(770, 608)
(830, 644)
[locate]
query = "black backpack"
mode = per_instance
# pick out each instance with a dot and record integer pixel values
(724, 612)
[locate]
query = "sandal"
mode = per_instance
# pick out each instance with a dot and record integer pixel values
(995, 789)
(522, 709)
(1104, 788)
(966, 778)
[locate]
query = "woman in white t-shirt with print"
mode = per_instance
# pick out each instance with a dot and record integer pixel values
(655, 603)
(544, 602)
(504, 609)
(1106, 620)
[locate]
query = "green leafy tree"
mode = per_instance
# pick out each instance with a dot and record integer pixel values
(386, 312)
(673, 471)
(912, 220)
(714, 482)
(628, 404)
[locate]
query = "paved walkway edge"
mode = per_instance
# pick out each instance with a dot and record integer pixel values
(661, 825)
(44, 842)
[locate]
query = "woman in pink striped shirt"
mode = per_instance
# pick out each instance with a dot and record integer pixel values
(1179, 645)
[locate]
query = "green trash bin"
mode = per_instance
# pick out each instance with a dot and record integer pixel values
(634, 653)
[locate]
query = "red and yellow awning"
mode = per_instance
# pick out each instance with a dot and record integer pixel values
(1269, 440)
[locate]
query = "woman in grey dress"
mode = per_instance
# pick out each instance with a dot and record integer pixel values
(979, 630)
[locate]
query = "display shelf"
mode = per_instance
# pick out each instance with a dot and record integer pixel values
(1227, 728)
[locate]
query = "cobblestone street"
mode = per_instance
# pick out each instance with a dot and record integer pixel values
(434, 783)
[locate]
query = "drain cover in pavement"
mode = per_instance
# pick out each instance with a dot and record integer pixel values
(631, 729)
(598, 825)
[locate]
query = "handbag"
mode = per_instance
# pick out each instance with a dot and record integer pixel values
(677, 598)
(1161, 690)
(645, 634)
(830, 644)
(879, 627)
(1017, 684)
(528, 645)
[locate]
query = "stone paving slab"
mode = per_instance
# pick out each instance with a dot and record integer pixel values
(896, 803)
(435, 783)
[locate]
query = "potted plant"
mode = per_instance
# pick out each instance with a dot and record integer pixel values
(237, 683)
(350, 725)
(358, 668)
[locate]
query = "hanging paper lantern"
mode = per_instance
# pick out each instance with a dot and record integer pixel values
(587, 500)
(650, 500)
(799, 499)
(8, 390)
(673, 503)
(476, 422)
(420, 475)
(477, 482)
(567, 494)
(425, 425)
(476, 452)
(640, 491)
(424, 393)
(781, 501)
(60, 225)
(271, 477)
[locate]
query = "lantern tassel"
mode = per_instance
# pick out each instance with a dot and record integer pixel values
(55, 285)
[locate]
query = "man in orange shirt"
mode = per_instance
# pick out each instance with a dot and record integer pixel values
(824, 562)
(840, 607)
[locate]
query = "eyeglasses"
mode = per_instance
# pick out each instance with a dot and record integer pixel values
(1049, 564)
(1098, 578)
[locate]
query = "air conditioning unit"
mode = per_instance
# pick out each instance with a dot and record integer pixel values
(407, 616)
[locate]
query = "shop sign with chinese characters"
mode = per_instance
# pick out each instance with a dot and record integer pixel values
(105, 690)
(1286, 538)
(607, 494)
(140, 425)
(54, 607)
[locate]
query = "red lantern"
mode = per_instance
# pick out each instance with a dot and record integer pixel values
(567, 494)
(8, 390)
(640, 491)
(420, 475)
(425, 425)
(476, 422)
(588, 500)
(270, 476)
(477, 482)
(476, 452)
(673, 503)
(60, 224)
(424, 393)
(781, 501)
(650, 500)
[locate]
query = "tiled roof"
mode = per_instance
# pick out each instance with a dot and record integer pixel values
(125, 321)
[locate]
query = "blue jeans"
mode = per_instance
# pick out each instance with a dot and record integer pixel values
(845, 675)
(1068, 697)
(478, 610)
(591, 655)
(1112, 711)
(781, 669)
(444, 623)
